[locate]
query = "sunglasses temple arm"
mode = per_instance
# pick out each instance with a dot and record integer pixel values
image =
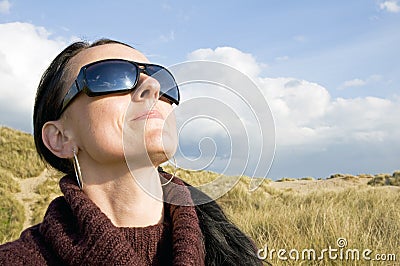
(72, 92)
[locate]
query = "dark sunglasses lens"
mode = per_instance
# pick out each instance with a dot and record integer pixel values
(168, 86)
(111, 76)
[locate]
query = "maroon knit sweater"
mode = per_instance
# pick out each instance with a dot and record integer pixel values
(74, 231)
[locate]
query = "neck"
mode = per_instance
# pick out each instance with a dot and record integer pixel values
(126, 196)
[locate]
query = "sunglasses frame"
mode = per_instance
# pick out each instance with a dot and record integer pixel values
(80, 83)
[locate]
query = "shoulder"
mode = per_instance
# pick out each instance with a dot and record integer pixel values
(30, 248)
(23, 251)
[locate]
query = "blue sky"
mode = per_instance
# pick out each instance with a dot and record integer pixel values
(348, 48)
(325, 42)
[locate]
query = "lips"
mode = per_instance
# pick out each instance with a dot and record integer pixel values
(149, 115)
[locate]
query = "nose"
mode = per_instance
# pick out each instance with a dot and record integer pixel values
(147, 88)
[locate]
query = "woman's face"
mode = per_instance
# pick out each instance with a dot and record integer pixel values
(137, 123)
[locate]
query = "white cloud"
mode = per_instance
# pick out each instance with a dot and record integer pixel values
(354, 83)
(311, 124)
(244, 62)
(390, 6)
(282, 58)
(5, 6)
(169, 37)
(374, 78)
(24, 56)
(360, 82)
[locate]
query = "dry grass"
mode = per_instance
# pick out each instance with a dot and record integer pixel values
(386, 180)
(11, 216)
(367, 216)
(286, 179)
(48, 190)
(18, 154)
(11, 211)
(7, 182)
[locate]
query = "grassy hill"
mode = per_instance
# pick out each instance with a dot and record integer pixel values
(290, 214)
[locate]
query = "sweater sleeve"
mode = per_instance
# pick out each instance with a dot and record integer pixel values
(26, 250)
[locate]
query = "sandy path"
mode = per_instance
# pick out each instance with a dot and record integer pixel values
(27, 195)
(306, 186)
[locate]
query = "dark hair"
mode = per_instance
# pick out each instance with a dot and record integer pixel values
(224, 242)
(49, 96)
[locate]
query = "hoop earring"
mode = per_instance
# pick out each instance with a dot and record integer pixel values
(169, 181)
(78, 172)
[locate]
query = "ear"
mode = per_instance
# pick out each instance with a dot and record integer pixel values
(56, 139)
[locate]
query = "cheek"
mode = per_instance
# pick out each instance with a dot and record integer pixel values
(102, 122)
(170, 130)
(170, 136)
(109, 110)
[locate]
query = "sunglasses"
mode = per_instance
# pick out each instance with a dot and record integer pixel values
(119, 76)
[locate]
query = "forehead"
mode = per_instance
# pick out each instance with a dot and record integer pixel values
(105, 51)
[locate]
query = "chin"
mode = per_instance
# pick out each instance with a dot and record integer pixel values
(158, 158)
(159, 154)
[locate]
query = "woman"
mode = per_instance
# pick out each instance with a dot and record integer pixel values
(98, 106)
